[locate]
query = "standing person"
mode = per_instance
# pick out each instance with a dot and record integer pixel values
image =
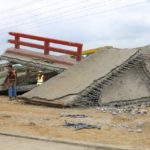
(10, 82)
(40, 78)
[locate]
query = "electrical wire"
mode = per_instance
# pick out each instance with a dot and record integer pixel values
(63, 14)
(14, 8)
(27, 4)
(81, 16)
(63, 20)
(102, 12)
(28, 8)
(27, 16)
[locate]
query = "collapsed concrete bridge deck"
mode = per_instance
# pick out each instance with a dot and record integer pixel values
(108, 76)
(30, 61)
(35, 59)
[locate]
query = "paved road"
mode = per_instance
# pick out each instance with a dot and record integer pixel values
(14, 143)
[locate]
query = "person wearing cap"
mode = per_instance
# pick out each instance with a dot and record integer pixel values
(10, 82)
(40, 77)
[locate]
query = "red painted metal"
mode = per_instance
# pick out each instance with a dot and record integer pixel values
(43, 47)
(26, 44)
(46, 47)
(79, 52)
(17, 39)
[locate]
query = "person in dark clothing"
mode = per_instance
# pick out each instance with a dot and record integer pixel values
(10, 82)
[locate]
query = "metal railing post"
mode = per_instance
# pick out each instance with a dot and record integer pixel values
(46, 44)
(46, 47)
(79, 53)
(17, 39)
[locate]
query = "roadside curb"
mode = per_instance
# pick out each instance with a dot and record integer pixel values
(69, 142)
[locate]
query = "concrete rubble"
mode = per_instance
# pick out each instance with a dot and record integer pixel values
(80, 125)
(36, 59)
(31, 62)
(109, 77)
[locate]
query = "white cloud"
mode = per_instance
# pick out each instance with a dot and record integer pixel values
(91, 22)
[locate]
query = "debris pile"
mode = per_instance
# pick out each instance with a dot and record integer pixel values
(79, 126)
(73, 115)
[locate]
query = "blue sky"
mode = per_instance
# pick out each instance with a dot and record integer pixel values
(95, 23)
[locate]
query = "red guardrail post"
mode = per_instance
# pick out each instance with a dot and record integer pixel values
(17, 39)
(79, 53)
(46, 47)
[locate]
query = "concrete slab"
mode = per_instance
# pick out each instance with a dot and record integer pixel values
(14, 142)
(36, 59)
(81, 75)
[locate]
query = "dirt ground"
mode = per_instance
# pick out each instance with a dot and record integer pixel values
(131, 130)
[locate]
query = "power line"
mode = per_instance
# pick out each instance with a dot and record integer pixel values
(54, 10)
(27, 4)
(102, 12)
(32, 10)
(14, 8)
(95, 13)
(29, 14)
(40, 8)
(65, 13)
(85, 15)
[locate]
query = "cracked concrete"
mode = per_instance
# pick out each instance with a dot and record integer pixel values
(105, 76)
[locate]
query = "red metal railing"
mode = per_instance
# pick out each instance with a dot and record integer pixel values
(46, 46)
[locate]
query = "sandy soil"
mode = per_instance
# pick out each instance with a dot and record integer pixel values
(121, 129)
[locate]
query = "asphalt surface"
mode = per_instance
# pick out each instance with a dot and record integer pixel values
(15, 143)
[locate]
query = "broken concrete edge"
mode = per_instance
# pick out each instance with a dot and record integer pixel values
(144, 101)
(116, 104)
(105, 80)
(80, 99)
(32, 64)
(146, 71)
(39, 101)
(69, 142)
(144, 74)
(121, 103)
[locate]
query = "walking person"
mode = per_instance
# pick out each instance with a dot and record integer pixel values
(10, 82)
